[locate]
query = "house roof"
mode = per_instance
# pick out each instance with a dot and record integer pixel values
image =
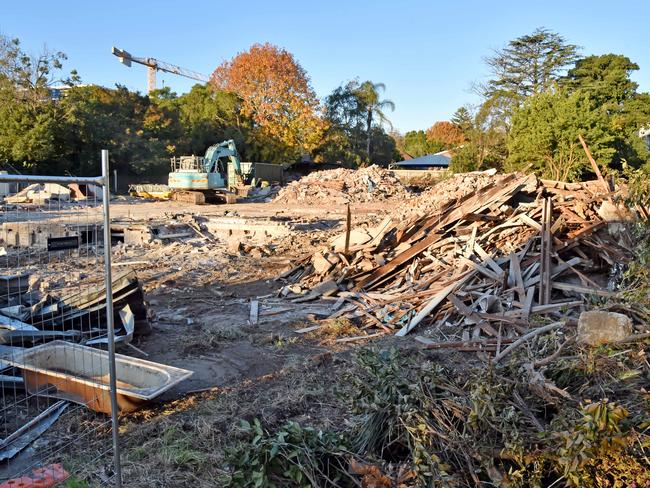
(439, 160)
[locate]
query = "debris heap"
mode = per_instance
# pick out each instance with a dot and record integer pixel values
(483, 260)
(344, 186)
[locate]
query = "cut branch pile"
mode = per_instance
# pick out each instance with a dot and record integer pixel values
(514, 247)
(344, 186)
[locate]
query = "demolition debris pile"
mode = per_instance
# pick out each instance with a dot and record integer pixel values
(487, 259)
(341, 185)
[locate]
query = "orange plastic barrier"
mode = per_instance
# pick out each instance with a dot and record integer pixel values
(45, 477)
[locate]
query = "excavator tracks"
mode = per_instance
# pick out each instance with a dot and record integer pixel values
(191, 197)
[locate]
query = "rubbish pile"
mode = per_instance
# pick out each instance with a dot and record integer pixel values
(28, 318)
(342, 185)
(482, 263)
(44, 193)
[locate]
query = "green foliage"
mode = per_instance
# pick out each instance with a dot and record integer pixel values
(545, 132)
(485, 138)
(526, 66)
(416, 144)
(356, 118)
(402, 409)
(605, 78)
(637, 276)
(473, 427)
(293, 456)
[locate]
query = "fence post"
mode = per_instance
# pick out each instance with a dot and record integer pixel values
(106, 193)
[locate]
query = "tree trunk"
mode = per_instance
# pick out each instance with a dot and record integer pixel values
(368, 127)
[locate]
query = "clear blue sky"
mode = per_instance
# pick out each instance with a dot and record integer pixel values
(427, 53)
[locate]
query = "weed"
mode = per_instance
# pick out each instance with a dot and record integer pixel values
(75, 483)
(332, 329)
(210, 339)
(292, 456)
(176, 449)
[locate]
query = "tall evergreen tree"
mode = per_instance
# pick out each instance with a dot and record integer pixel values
(526, 66)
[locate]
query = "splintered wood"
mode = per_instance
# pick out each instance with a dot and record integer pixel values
(482, 263)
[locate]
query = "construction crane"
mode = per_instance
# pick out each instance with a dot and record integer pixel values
(154, 65)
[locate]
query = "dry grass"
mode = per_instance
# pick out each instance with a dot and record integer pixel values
(333, 329)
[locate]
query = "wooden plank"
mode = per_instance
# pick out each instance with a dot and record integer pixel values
(583, 289)
(545, 254)
(526, 219)
(348, 228)
(487, 259)
(306, 330)
(481, 269)
(528, 302)
(560, 268)
(429, 344)
(254, 312)
(515, 279)
(397, 261)
(594, 165)
(432, 304)
(360, 338)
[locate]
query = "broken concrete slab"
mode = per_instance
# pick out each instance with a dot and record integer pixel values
(321, 264)
(258, 230)
(600, 327)
(357, 238)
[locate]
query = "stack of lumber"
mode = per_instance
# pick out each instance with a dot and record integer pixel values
(511, 247)
(344, 186)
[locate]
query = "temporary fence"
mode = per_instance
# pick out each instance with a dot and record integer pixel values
(58, 387)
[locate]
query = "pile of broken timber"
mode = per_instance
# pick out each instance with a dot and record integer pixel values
(516, 247)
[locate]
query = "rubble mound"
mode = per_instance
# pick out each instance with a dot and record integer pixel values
(344, 186)
(449, 190)
(483, 252)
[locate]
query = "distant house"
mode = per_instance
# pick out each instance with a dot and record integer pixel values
(439, 160)
(644, 133)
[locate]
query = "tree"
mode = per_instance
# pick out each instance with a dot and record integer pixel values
(545, 134)
(485, 139)
(347, 110)
(462, 119)
(31, 123)
(368, 93)
(605, 78)
(526, 66)
(415, 143)
(447, 134)
(277, 97)
(33, 75)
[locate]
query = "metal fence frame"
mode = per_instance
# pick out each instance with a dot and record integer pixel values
(102, 181)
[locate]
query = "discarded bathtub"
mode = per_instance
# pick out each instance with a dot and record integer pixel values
(79, 374)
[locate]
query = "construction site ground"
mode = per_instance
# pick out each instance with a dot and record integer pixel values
(240, 311)
(199, 294)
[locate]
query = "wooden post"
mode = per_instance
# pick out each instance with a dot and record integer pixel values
(599, 175)
(348, 228)
(545, 253)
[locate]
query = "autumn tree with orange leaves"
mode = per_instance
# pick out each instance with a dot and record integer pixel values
(447, 133)
(277, 97)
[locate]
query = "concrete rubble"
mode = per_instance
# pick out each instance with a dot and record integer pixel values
(596, 327)
(344, 186)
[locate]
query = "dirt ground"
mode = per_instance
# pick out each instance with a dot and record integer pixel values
(200, 290)
(199, 294)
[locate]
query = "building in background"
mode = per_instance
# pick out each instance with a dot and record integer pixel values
(439, 160)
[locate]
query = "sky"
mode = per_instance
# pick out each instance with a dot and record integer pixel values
(427, 53)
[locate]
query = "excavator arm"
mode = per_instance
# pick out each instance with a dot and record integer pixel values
(217, 158)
